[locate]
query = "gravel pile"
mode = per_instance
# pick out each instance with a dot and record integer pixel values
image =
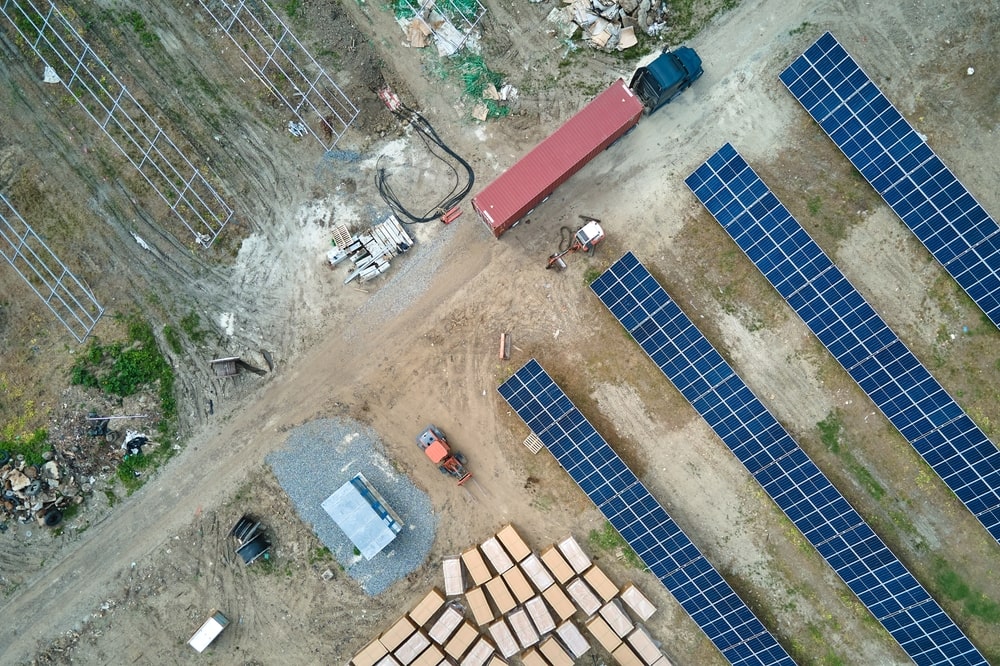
(323, 455)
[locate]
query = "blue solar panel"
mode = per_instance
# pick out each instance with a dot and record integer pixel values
(899, 385)
(640, 519)
(777, 462)
(893, 157)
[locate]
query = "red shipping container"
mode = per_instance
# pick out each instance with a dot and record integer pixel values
(515, 192)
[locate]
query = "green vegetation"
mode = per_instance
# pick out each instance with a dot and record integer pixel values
(123, 369)
(830, 430)
(590, 275)
(112, 497)
(320, 554)
(173, 339)
(608, 540)
(815, 205)
(191, 325)
(292, 7)
(146, 37)
(32, 446)
(803, 27)
(954, 587)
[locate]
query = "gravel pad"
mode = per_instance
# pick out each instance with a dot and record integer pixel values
(323, 455)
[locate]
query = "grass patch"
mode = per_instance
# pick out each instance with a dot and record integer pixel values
(815, 205)
(147, 37)
(32, 446)
(112, 497)
(123, 369)
(830, 431)
(191, 325)
(608, 540)
(591, 274)
(173, 339)
(804, 26)
(292, 7)
(956, 588)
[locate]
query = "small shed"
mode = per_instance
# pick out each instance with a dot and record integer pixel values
(363, 515)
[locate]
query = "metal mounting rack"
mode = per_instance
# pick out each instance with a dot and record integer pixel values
(286, 67)
(50, 35)
(68, 299)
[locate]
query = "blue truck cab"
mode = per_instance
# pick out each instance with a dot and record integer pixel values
(666, 77)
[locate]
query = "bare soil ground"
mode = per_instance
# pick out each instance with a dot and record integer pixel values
(129, 578)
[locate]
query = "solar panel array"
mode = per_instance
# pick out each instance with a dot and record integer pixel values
(640, 519)
(897, 162)
(781, 467)
(899, 385)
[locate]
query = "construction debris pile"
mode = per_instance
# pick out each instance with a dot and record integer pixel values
(370, 251)
(450, 24)
(36, 492)
(519, 605)
(609, 25)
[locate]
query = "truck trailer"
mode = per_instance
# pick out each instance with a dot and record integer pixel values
(515, 193)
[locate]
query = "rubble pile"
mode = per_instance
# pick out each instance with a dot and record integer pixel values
(37, 492)
(608, 25)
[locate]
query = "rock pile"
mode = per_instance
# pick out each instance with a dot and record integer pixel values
(36, 492)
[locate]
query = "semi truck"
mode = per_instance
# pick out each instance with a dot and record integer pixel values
(515, 193)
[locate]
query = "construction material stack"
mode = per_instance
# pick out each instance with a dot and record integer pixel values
(370, 251)
(520, 605)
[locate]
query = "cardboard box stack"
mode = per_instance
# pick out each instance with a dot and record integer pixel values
(522, 605)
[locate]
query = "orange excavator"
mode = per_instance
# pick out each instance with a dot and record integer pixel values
(433, 442)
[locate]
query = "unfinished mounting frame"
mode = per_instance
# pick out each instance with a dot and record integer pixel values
(286, 67)
(71, 302)
(109, 104)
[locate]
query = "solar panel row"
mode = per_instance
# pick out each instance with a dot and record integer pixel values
(897, 162)
(899, 385)
(640, 518)
(775, 460)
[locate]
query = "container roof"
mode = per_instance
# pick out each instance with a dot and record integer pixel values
(363, 515)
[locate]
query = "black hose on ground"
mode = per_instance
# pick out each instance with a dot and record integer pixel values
(435, 145)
